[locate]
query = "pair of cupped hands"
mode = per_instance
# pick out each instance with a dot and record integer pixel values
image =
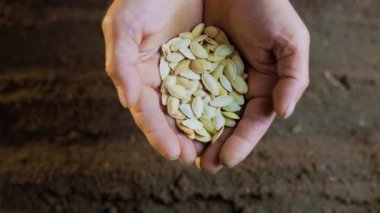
(270, 36)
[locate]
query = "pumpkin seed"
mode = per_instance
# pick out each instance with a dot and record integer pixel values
(192, 124)
(222, 101)
(210, 83)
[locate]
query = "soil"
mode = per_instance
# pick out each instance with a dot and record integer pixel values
(66, 145)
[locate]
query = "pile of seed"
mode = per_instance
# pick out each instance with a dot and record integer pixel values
(203, 82)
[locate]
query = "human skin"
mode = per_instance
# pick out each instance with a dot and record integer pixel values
(268, 33)
(275, 43)
(134, 31)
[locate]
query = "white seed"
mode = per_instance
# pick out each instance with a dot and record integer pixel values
(197, 31)
(172, 41)
(203, 138)
(184, 82)
(225, 83)
(214, 58)
(186, 110)
(186, 35)
(187, 53)
(178, 115)
(232, 107)
(222, 91)
(192, 124)
(218, 71)
(200, 38)
(238, 98)
(177, 91)
(197, 106)
(179, 44)
(231, 115)
(186, 99)
(217, 135)
(211, 41)
(218, 121)
(172, 105)
(209, 111)
(163, 88)
(194, 87)
(206, 99)
(172, 65)
(239, 64)
(189, 132)
(196, 66)
(198, 50)
(208, 125)
(230, 70)
(221, 38)
(206, 64)
(182, 66)
(211, 47)
(211, 31)
(170, 80)
(240, 85)
(203, 82)
(164, 68)
(210, 83)
(202, 132)
(175, 57)
(200, 93)
(165, 49)
(221, 101)
(164, 99)
(224, 50)
(229, 122)
(190, 75)
(214, 66)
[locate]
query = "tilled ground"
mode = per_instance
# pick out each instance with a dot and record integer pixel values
(67, 145)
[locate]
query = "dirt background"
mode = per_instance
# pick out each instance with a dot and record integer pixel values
(66, 145)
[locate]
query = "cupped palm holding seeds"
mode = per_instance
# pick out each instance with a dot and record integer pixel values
(203, 82)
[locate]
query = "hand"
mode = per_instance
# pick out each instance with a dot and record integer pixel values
(134, 31)
(274, 41)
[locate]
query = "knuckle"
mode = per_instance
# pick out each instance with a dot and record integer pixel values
(296, 40)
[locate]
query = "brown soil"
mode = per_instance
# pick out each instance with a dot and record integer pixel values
(67, 146)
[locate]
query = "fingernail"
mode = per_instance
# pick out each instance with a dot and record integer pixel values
(289, 110)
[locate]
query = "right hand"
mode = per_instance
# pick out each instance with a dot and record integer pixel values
(134, 31)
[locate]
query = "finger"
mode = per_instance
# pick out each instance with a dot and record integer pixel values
(199, 147)
(188, 152)
(151, 120)
(209, 161)
(257, 118)
(121, 57)
(260, 84)
(293, 70)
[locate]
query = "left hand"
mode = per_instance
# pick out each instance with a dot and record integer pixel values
(275, 42)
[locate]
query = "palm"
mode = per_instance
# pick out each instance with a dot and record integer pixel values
(264, 34)
(146, 28)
